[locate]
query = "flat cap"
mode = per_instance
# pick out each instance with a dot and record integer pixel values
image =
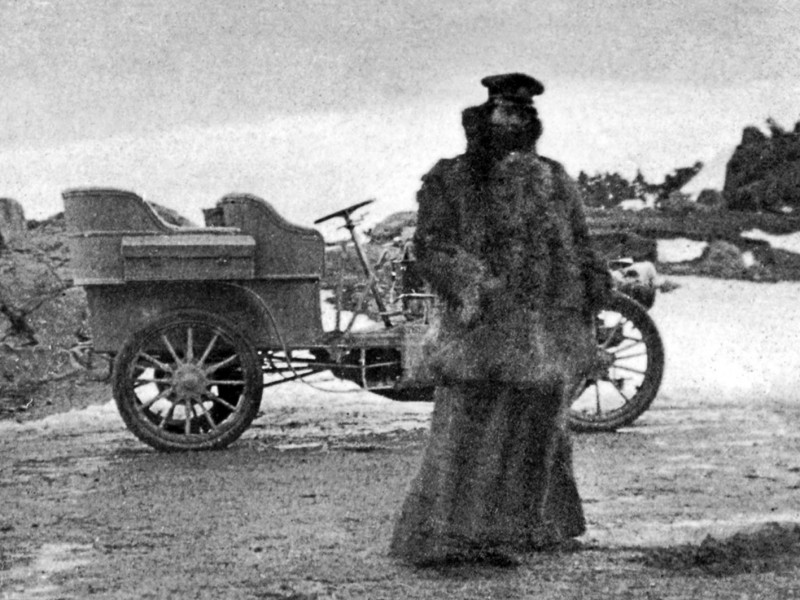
(514, 87)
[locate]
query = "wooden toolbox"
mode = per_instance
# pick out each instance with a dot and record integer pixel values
(187, 257)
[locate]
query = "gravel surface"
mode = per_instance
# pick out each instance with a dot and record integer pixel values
(698, 499)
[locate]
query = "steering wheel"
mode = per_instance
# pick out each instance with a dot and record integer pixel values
(345, 212)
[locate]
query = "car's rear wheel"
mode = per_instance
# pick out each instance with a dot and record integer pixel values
(188, 381)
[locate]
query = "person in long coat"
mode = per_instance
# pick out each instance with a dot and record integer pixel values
(502, 239)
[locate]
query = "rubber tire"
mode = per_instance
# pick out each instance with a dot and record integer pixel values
(144, 429)
(644, 396)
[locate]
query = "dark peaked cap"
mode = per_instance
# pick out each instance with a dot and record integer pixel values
(515, 87)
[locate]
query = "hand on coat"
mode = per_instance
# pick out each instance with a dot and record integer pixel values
(470, 308)
(475, 298)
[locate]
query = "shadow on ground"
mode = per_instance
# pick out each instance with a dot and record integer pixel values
(770, 548)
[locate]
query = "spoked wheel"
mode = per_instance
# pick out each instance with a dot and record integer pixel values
(627, 372)
(188, 381)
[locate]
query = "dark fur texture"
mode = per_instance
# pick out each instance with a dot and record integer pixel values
(487, 143)
(502, 239)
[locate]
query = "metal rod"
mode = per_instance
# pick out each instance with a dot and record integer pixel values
(373, 285)
(297, 375)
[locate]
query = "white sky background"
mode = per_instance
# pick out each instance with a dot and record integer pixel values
(315, 105)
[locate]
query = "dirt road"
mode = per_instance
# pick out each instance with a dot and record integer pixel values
(302, 506)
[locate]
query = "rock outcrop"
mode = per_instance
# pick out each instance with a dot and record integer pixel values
(763, 174)
(43, 327)
(397, 225)
(712, 199)
(12, 221)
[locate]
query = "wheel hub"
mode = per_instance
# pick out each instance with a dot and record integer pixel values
(190, 380)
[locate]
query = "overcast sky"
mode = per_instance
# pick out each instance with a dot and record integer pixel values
(315, 104)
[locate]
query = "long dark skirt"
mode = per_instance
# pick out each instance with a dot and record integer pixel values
(496, 476)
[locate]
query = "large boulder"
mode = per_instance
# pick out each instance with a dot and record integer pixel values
(764, 171)
(723, 259)
(12, 221)
(726, 260)
(713, 199)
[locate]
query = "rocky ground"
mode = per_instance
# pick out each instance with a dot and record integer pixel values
(45, 364)
(698, 499)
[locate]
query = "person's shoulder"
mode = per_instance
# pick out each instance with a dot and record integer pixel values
(553, 164)
(445, 166)
(536, 160)
(557, 170)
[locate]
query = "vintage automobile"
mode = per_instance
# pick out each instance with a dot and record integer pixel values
(200, 320)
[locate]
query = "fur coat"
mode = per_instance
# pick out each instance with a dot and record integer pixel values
(512, 264)
(519, 284)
